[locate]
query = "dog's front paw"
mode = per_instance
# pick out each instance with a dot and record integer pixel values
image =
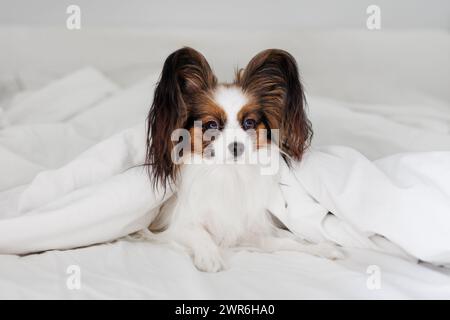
(209, 261)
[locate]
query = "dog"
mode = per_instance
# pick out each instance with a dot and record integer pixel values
(222, 193)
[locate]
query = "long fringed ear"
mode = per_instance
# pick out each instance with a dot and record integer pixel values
(272, 78)
(185, 74)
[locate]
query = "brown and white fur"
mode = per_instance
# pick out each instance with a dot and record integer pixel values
(221, 200)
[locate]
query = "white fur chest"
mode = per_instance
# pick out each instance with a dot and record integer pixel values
(230, 201)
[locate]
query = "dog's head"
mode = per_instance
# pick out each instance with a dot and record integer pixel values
(225, 122)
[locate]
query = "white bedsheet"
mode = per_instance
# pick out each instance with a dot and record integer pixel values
(375, 135)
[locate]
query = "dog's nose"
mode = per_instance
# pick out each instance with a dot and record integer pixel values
(236, 148)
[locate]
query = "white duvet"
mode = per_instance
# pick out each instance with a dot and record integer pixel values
(88, 190)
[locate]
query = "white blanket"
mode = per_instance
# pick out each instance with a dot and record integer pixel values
(101, 196)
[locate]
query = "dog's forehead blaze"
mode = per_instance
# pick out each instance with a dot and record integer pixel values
(215, 105)
(232, 99)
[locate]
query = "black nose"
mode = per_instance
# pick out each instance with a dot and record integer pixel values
(237, 148)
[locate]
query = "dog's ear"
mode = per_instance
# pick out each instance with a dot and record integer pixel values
(185, 74)
(272, 78)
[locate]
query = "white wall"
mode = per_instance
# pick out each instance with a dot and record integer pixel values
(347, 64)
(251, 14)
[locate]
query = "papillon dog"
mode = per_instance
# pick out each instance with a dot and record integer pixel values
(218, 146)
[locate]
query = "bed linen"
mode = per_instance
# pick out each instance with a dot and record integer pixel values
(294, 275)
(404, 198)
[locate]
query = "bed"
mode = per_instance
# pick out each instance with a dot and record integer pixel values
(62, 92)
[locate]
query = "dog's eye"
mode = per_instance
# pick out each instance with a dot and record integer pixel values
(249, 124)
(211, 125)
